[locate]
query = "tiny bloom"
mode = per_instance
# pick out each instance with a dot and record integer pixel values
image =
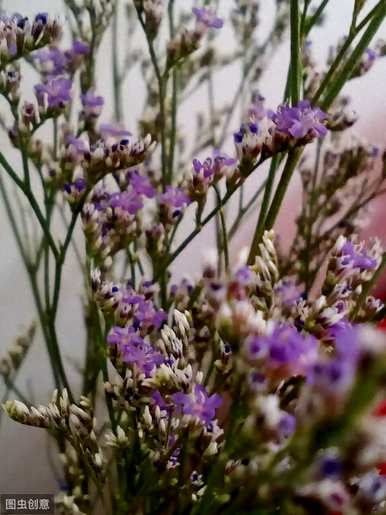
(285, 350)
(207, 18)
(257, 111)
(134, 349)
(300, 121)
(92, 104)
(198, 403)
(355, 257)
(329, 465)
(57, 92)
(287, 425)
(52, 61)
(141, 185)
(80, 47)
(110, 130)
(126, 201)
(174, 200)
(288, 292)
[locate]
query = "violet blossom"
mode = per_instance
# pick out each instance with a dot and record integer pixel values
(198, 403)
(207, 18)
(135, 350)
(56, 92)
(174, 200)
(355, 257)
(285, 351)
(300, 121)
(92, 104)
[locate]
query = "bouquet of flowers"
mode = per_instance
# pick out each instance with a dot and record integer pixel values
(257, 386)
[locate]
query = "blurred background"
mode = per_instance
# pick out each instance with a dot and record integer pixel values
(25, 452)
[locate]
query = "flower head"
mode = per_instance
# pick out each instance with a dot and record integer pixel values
(300, 121)
(356, 257)
(198, 403)
(174, 200)
(56, 92)
(285, 351)
(134, 349)
(207, 18)
(92, 104)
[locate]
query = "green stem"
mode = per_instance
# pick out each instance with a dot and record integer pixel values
(355, 57)
(32, 200)
(245, 210)
(173, 131)
(315, 17)
(292, 160)
(115, 66)
(342, 52)
(259, 231)
(162, 83)
(295, 52)
(195, 232)
(224, 242)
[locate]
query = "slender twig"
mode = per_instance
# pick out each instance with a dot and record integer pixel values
(117, 85)
(295, 76)
(315, 17)
(327, 80)
(355, 57)
(292, 160)
(32, 200)
(162, 83)
(174, 106)
(224, 239)
(263, 210)
(245, 209)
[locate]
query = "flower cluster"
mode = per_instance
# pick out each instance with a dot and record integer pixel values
(20, 36)
(54, 62)
(268, 132)
(110, 219)
(187, 41)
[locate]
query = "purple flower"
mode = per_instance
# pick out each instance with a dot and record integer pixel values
(159, 401)
(144, 313)
(57, 91)
(80, 47)
(287, 425)
(207, 18)
(257, 111)
(143, 355)
(92, 104)
(369, 58)
(213, 168)
(113, 131)
(198, 403)
(335, 375)
(141, 185)
(288, 292)
(300, 121)
(52, 60)
(126, 201)
(134, 349)
(244, 275)
(285, 350)
(147, 315)
(330, 466)
(174, 200)
(352, 257)
(76, 188)
(204, 168)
